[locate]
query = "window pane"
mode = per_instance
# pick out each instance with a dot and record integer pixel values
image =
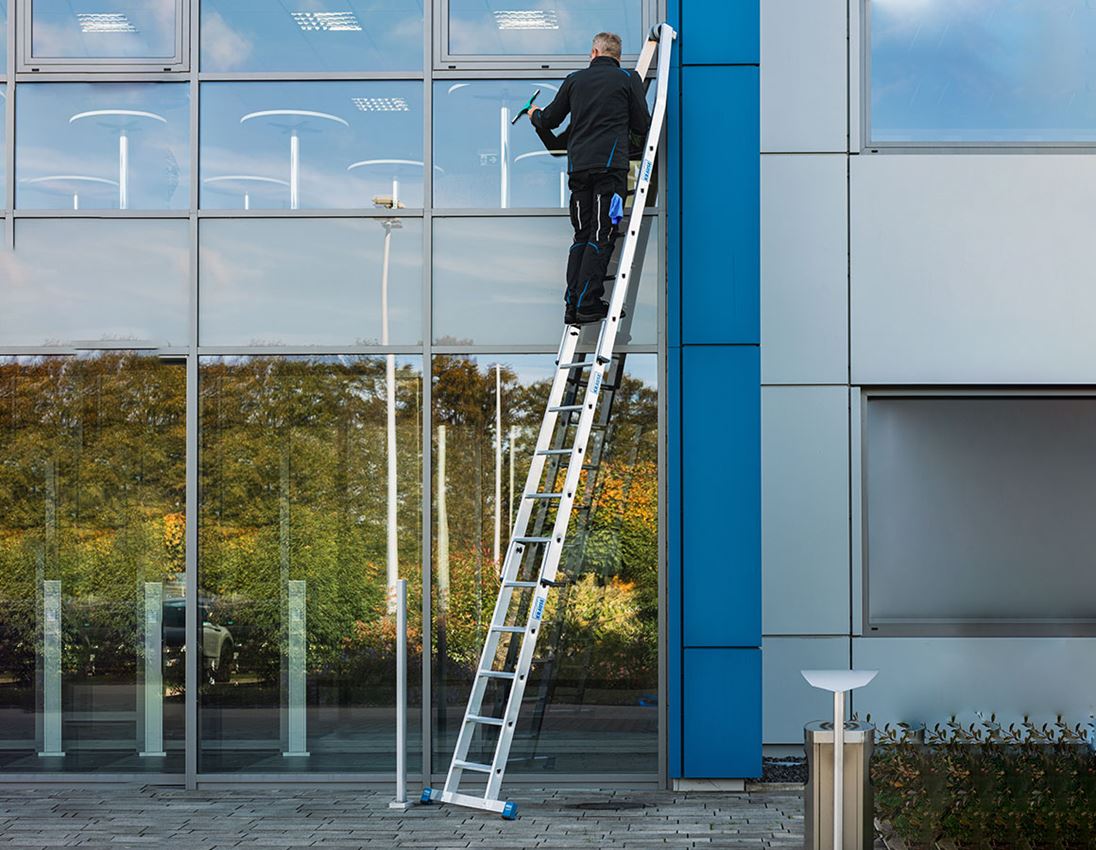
(118, 281)
(338, 145)
(3, 138)
(92, 563)
(518, 297)
(977, 510)
(349, 35)
(117, 29)
(601, 633)
(472, 132)
(4, 40)
(971, 70)
(311, 282)
(295, 559)
(540, 28)
(103, 146)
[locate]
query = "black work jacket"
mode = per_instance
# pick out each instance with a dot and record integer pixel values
(605, 103)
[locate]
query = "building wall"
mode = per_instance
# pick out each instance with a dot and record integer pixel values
(713, 378)
(895, 269)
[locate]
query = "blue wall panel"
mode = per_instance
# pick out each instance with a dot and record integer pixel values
(723, 713)
(720, 205)
(720, 32)
(721, 495)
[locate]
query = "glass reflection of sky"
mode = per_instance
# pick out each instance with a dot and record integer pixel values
(4, 38)
(116, 279)
(51, 147)
(387, 140)
(517, 298)
(98, 29)
(468, 137)
(311, 35)
(983, 70)
(251, 274)
(3, 136)
(541, 27)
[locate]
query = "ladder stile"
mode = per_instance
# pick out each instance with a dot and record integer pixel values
(540, 495)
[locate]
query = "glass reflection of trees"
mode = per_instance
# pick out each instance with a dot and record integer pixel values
(294, 487)
(92, 493)
(604, 635)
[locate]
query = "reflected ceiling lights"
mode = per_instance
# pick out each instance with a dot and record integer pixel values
(327, 21)
(381, 104)
(527, 19)
(104, 22)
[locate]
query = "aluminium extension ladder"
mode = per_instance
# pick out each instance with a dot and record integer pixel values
(550, 548)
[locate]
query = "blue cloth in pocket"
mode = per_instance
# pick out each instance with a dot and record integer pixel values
(616, 209)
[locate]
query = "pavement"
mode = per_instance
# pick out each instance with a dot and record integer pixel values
(119, 817)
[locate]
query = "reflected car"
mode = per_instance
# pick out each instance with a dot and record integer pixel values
(218, 647)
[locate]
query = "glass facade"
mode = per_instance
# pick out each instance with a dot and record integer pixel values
(969, 71)
(248, 366)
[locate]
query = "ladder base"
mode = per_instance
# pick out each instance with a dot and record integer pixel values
(506, 808)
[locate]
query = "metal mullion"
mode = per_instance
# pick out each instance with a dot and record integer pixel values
(193, 655)
(426, 713)
(173, 215)
(512, 212)
(307, 351)
(306, 76)
(102, 77)
(7, 162)
(662, 458)
(364, 212)
(535, 350)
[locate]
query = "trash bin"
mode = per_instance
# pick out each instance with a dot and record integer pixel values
(859, 832)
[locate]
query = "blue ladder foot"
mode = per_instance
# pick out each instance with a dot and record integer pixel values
(425, 798)
(510, 811)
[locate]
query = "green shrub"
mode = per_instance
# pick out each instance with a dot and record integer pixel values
(985, 787)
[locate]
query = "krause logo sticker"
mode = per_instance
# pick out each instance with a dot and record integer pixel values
(596, 388)
(539, 609)
(647, 170)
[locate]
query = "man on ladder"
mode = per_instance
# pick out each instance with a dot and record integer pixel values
(606, 103)
(532, 560)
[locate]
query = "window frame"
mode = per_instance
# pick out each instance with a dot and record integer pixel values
(446, 61)
(27, 63)
(861, 562)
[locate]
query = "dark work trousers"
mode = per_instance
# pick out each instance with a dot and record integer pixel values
(591, 197)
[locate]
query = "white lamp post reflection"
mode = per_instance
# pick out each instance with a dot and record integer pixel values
(241, 184)
(69, 184)
(121, 121)
(562, 174)
(391, 202)
(504, 98)
(295, 122)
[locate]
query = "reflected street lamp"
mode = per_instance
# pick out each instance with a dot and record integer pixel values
(295, 121)
(391, 202)
(68, 184)
(241, 184)
(121, 120)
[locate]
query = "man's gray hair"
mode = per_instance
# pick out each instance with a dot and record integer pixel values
(607, 44)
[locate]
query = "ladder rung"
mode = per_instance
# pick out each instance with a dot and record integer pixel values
(580, 364)
(511, 629)
(532, 539)
(472, 765)
(546, 452)
(519, 584)
(496, 674)
(487, 721)
(543, 495)
(565, 408)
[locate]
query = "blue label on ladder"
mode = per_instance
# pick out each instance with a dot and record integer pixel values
(539, 609)
(595, 387)
(647, 170)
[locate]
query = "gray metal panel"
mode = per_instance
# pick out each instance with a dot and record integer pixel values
(804, 79)
(926, 680)
(972, 268)
(804, 269)
(805, 510)
(789, 702)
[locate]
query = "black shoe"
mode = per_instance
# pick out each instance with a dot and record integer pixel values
(569, 315)
(594, 313)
